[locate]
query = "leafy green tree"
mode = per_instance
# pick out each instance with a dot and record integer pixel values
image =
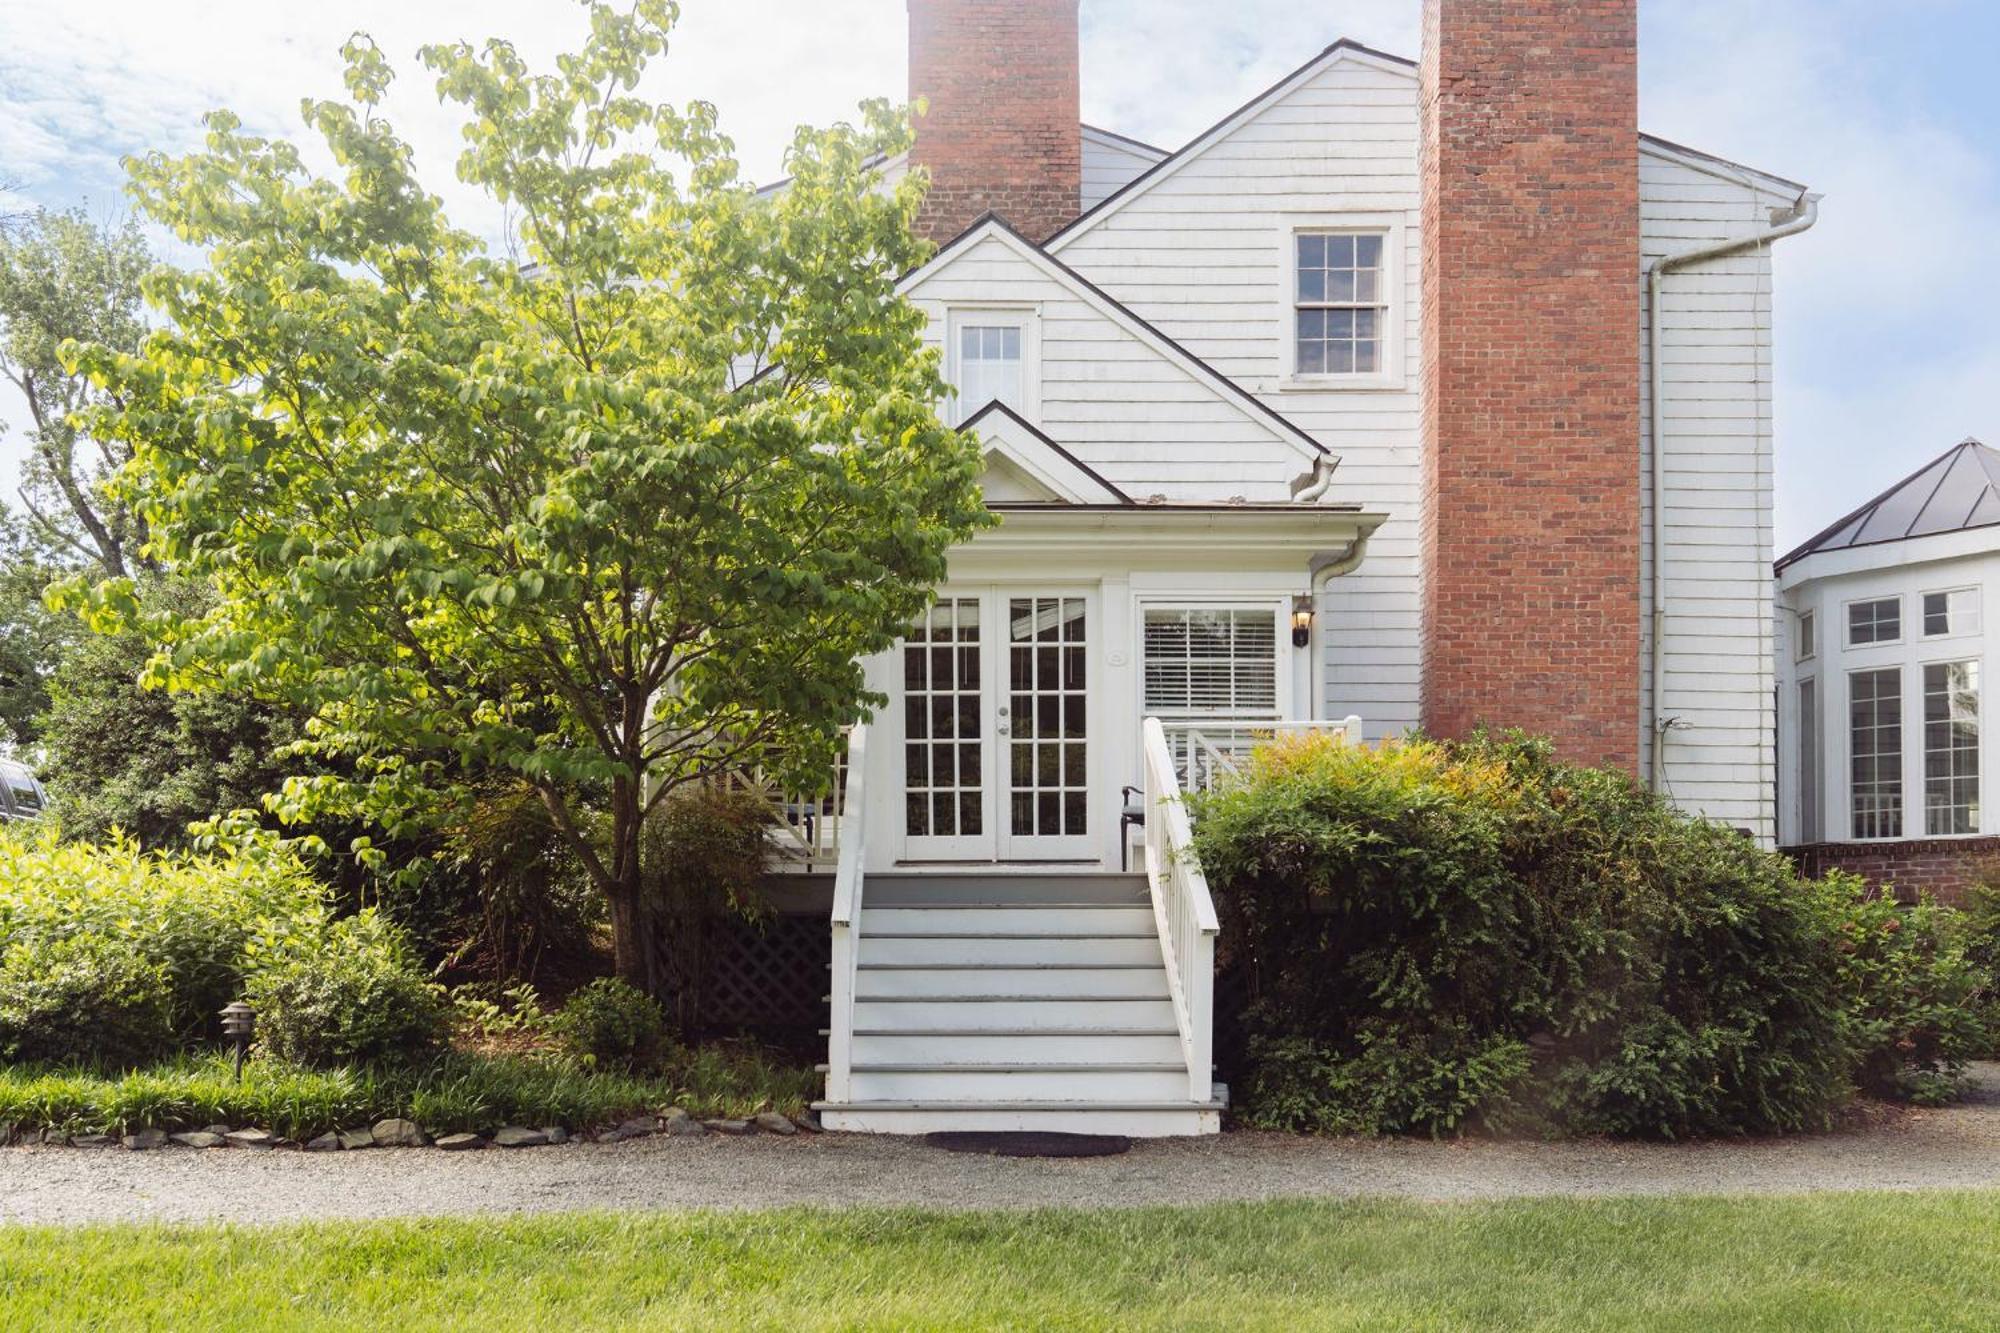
(64, 276)
(152, 761)
(613, 510)
(33, 638)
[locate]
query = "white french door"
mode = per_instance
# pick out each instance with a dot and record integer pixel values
(996, 750)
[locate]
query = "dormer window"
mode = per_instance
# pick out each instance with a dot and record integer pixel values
(992, 359)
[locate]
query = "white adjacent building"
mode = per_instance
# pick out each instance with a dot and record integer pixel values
(1882, 676)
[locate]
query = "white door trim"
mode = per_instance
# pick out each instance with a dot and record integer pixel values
(994, 751)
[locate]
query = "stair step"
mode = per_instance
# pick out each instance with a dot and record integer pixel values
(1011, 950)
(984, 981)
(1080, 1084)
(1138, 1119)
(1016, 1048)
(1064, 1013)
(1020, 922)
(917, 888)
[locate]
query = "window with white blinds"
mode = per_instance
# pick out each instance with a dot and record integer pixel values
(1211, 662)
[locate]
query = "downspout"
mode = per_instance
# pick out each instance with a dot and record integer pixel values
(1800, 217)
(1323, 567)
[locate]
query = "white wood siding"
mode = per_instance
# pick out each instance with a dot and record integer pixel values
(1109, 163)
(1716, 362)
(1199, 252)
(1123, 407)
(1201, 255)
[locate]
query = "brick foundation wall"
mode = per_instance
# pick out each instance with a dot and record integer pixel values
(1531, 312)
(1945, 868)
(1002, 131)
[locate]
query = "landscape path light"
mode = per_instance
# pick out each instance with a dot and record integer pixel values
(239, 1024)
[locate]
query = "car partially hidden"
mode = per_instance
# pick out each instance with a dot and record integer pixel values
(22, 795)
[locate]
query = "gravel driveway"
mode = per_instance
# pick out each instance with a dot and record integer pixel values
(1956, 1147)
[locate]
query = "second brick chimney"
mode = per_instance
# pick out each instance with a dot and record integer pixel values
(1530, 454)
(1001, 134)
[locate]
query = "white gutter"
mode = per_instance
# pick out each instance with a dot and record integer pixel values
(1800, 217)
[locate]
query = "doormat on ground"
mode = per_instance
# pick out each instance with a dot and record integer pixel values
(1030, 1143)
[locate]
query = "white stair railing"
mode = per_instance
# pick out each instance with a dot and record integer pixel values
(847, 884)
(1205, 750)
(1183, 912)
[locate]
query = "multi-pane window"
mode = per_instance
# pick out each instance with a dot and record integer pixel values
(1951, 748)
(1810, 779)
(1203, 662)
(943, 793)
(1875, 752)
(1951, 613)
(1879, 620)
(989, 366)
(1808, 642)
(1342, 302)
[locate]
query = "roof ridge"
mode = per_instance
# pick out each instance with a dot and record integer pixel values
(1856, 521)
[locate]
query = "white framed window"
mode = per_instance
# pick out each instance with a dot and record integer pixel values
(1210, 661)
(992, 355)
(1951, 748)
(1875, 752)
(1341, 285)
(1874, 620)
(1807, 644)
(1950, 613)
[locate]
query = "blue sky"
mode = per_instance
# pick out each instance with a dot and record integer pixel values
(1888, 348)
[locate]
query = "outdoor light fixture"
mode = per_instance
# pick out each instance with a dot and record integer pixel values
(239, 1024)
(1302, 620)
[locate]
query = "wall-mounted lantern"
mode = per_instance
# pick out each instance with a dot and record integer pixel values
(239, 1024)
(1302, 620)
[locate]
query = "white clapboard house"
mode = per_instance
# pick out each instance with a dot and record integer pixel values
(1883, 622)
(1289, 427)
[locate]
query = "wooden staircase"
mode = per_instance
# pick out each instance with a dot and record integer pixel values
(1000, 1001)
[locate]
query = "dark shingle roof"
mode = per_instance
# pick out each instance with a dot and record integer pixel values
(1959, 489)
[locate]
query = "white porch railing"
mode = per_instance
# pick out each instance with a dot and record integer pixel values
(1183, 912)
(805, 827)
(847, 882)
(1205, 750)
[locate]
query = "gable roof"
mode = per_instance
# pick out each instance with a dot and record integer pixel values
(993, 227)
(1060, 474)
(1957, 490)
(1350, 50)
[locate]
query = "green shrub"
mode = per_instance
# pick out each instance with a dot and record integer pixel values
(1982, 952)
(189, 917)
(1437, 936)
(1915, 1017)
(705, 852)
(343, 990)
(83, 1000)
(613, 1025)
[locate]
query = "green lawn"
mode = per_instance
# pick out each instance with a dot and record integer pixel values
(1853, 1261)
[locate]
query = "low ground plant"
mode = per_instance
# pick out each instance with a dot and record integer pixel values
(454, 1093)
(609, 1024)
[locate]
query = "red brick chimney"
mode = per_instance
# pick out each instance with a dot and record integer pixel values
(1001, 134)
(1530, 539)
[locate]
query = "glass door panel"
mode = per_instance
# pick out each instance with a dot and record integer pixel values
(1045, 728)
(944, 705)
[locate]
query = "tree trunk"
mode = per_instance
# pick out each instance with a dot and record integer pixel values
(633, 945)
